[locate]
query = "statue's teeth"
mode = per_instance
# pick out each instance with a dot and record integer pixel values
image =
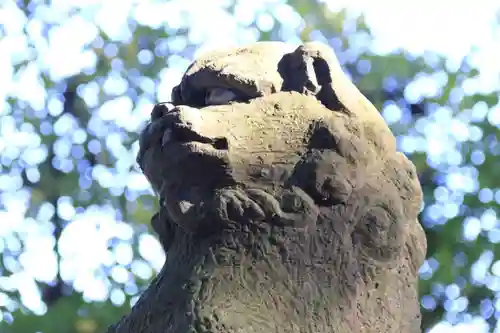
(184, 206)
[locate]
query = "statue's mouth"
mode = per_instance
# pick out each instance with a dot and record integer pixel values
(180, 142)
(183, 134)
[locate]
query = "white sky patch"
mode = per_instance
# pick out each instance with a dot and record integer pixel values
(151, 250)
(449, 28)
(453, 29)
(476, 325)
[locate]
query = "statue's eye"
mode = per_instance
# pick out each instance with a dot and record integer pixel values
(218, 96)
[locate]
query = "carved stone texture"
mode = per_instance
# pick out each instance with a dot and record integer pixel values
(285, 206)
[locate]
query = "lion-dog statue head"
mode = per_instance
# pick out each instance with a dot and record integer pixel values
(285, 206)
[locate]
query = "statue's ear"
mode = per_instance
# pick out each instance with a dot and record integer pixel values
(310, 70)
(313, 69)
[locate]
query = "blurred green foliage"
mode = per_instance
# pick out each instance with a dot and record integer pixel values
(75, 245)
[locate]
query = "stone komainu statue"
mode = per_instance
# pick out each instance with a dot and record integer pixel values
(285, 206)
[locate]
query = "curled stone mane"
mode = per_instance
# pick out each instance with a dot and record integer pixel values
(284, 205)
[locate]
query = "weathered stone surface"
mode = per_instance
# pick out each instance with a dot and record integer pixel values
(285, 206)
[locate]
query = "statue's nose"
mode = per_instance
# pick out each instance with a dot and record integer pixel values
(161, 109)
(183, 115)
